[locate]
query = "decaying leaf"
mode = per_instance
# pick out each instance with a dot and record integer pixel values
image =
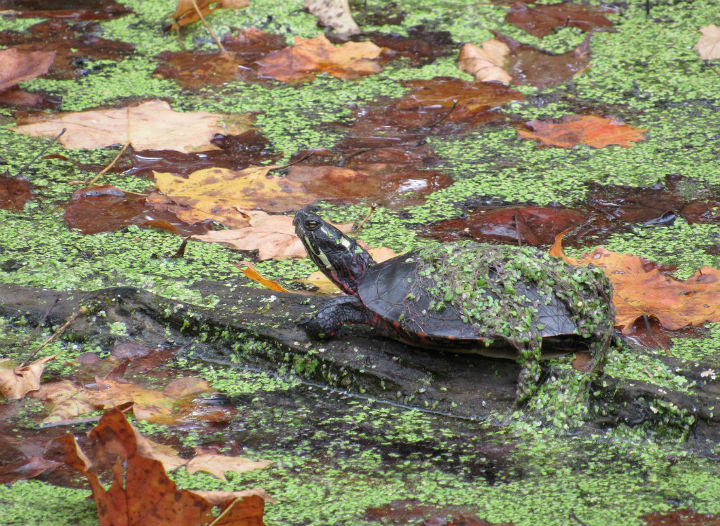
(335, 14)
(542, 20)
(640, 289)
(14, 192)
(708, 47)
(148, 404)
(273, 236)
(65, 400)
(317, 55)
(218, 193)
(486, 63)
(218, 465)
(26, 468)
(150, 125)
(17, 65)
(16, 382)
(592, 130)
(142, 493)
(186, 13)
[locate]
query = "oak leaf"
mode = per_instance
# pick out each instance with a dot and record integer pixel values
(142, 493)
(486, 63)
(317, 55)
(219, 193)
(708, 47)
(541, 20)
(16, 382)
(273, 236)
(17, 65)
(591, 130)
(151, 125)
(640, 289)
(335, 14)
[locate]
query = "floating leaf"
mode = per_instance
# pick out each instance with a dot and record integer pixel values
(640, 289)
(486, 63)
(142, 493)
(317, 55)
(708, 47)
(14, 192)
(16, 66)
(542, 20)
(592, 130)
(273, 236)
(150, 125)
(16, 382)
(248, 269)
(186, 13)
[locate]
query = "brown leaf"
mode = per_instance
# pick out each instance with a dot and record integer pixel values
(14, 192)
(186, 13)
(26, 469)
(96, 10)
(542, 20)
(65, 400)
(107, 209)
(218, 465)
(640, 289)
(681, 517)
(148, 404)
(150, 125)
(486, 63)
(529, 65)
(17, 382)
(141, 492)
(218, 193)
(592, 130)
(16, 66)
(273, 236)
(708, 47)
(335, 14)
(317, 55)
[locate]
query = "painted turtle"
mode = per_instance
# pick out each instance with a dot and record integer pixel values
(462, 297)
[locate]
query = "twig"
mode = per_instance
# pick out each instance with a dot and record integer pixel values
(576, 518)
(41, 152)
(81, 310)
(217, 519)
(373, 206)
(104, 170)
(207, 26)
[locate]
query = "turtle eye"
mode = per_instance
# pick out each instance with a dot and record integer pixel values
(312, 224)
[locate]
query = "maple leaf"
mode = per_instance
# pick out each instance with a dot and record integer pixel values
(150, 125)
(592, 130)
(17, 65)
(543, 19)
(318, 55)
(16, 382)
(335, 14)
(640, 289)
(708, 47)
(219, 193)
(273, 236)
(142, 493)
(486, 63)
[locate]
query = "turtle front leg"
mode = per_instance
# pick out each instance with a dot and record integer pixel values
(334, 314)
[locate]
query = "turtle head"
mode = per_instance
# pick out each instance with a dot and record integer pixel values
(339, 257)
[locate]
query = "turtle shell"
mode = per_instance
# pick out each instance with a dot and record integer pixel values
(404, 291)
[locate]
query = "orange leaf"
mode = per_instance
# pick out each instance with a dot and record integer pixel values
(254, 275)
(17, 382)
(142, 493)
(318, 55)
(639, 289)
(592, 130)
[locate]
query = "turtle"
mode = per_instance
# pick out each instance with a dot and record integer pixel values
(463, 296)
